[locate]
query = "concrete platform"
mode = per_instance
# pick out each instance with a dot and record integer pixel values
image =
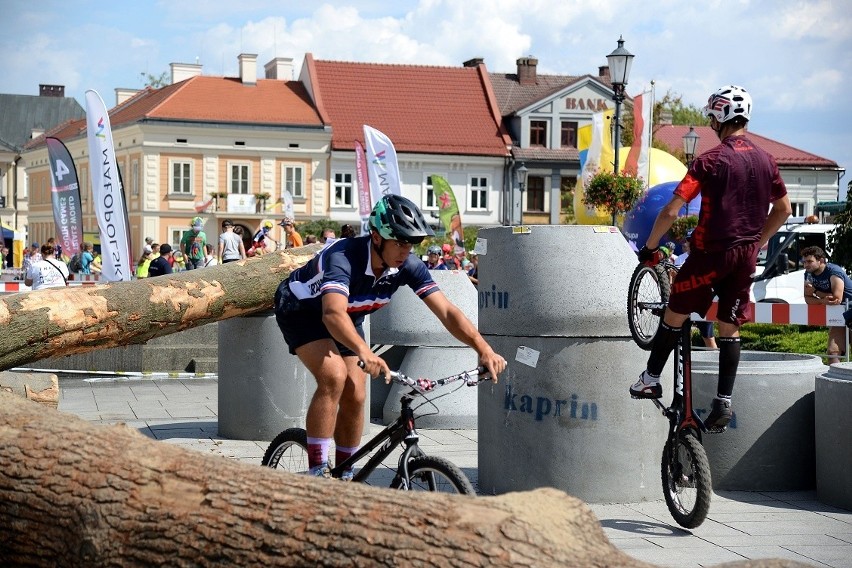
(741, 524)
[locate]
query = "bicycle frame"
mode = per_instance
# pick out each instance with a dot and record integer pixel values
(680, 413)
(400, 431)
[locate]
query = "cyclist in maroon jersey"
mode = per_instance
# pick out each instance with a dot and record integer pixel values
(743, 203)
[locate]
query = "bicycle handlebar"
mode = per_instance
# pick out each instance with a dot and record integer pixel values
(471, 378)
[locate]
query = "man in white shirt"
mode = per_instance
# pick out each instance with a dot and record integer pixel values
(46, 272)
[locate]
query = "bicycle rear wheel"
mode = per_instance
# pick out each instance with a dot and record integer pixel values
(288, 451)
(686, 479)
(428, 473)
(648, 285)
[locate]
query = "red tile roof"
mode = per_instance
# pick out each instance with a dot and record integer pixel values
(422, 109)
(205, 99)
(786, 156)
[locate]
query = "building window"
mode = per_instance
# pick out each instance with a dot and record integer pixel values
(134, 177)
(538, 133)
(569, 134)
(799, 208)
(181, 178)
(176, 236)
(535, 194)
(342, 190)
(239, 181)
(294, 181)
(429, 199)
(478, 198)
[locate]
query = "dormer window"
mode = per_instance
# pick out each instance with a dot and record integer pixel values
(538, 133)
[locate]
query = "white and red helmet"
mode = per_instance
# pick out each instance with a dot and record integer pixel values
(728, 103)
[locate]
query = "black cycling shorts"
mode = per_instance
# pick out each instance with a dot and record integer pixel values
(299, 326)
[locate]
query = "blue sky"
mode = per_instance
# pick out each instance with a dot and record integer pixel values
(792, 55)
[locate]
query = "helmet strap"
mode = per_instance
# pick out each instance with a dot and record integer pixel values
(379, 249)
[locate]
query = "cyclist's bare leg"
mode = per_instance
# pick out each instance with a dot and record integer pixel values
(329, 369)
(674, 319)
(350, 416)
(836, 343)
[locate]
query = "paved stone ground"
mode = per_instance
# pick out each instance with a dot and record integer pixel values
(741, 524)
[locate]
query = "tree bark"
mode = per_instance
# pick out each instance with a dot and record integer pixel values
(64, 321)
(75, 494)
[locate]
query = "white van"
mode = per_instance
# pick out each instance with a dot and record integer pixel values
(780, 276)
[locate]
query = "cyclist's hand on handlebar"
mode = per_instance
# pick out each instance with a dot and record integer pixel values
(375, 366)
(494, 363)
(651, 257)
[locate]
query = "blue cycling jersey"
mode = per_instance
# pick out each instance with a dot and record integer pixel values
(344, 267)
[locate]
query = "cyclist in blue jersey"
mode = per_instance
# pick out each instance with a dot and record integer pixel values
(321, 307)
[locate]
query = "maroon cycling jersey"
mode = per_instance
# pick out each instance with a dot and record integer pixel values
(738, 182)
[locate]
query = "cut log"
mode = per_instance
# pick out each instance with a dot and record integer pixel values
(63, 321)
(75, 494)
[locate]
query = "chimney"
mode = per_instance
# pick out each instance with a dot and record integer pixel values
(666, 117)
(526, 70)
(280, 68)
(184, 71)
(474, 62)
(122, 94)
(248, 68)
(51, 90)
(603, 72)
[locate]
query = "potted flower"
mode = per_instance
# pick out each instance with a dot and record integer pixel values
(681, 226)
(261, 198)
(615, 193)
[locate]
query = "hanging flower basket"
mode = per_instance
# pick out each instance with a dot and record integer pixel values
(616, 194)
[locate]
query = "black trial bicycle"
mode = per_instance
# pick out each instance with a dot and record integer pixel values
(687, 486)
(415, 470)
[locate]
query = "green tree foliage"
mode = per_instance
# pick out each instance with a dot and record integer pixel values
(840, 238)
(672, 107)
(155, 81)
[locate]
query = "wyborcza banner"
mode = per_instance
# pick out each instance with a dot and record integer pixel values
(65, 194)
(107, 192)
(381, 164)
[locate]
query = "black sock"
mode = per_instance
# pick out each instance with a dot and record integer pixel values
(729, 360)
(663, 345)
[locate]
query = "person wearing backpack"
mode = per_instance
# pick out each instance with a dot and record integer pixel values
(193, 244)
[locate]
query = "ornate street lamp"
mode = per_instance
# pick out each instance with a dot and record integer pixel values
(521, 179)
(619, 62)
(690, 144)
(521, 176)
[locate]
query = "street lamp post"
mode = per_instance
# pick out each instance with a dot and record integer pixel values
(521, 178)
(619, 62)
(690, 144)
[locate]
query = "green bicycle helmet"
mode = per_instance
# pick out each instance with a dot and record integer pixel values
(398, 218)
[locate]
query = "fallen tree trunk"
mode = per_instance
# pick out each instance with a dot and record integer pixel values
(74, 494)
(63, 321)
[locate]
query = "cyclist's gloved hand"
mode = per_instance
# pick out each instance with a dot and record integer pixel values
(651, 257)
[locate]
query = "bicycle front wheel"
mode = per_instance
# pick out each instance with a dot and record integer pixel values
(686, 480)
(428, 473)
(649, 287)
(288, 451)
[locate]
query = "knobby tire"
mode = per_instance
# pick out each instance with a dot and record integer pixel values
(687, 486)
(648, 284)
(288, 451)
(430, 473)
